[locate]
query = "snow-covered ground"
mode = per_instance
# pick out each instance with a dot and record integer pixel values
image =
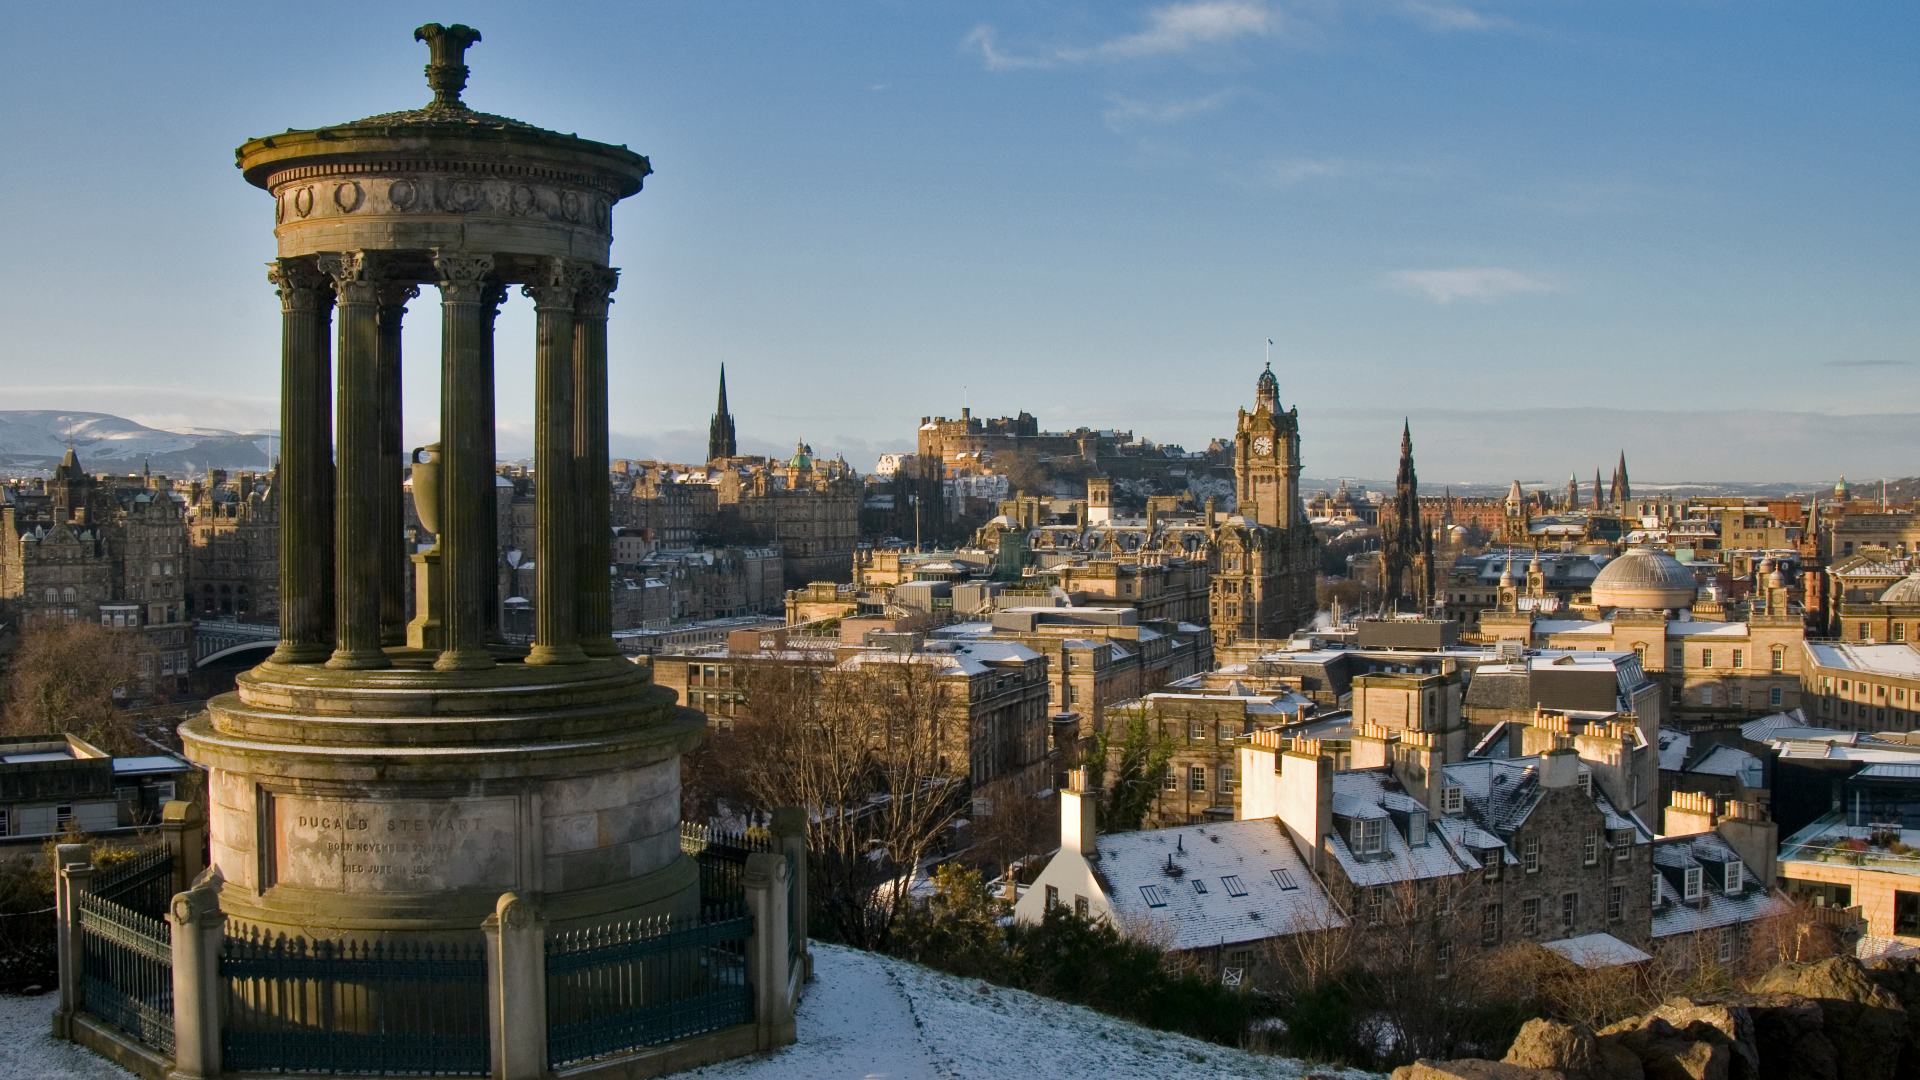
(865, 1017)
(28, 1048)
(868, 1016)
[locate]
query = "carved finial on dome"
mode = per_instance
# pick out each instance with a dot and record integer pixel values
(447, 68)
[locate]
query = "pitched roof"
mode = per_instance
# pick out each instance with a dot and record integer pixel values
(1233, 881)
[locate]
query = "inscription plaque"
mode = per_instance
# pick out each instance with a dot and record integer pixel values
(362, 845)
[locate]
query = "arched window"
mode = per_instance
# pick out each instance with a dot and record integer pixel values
(53, 595)
(70, 594)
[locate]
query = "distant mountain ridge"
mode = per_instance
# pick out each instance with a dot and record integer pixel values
(33, 439)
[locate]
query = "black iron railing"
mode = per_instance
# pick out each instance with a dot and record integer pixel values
(405, 1007)
(143, 883)
(722, 857)
(624, 986)
(126, 970)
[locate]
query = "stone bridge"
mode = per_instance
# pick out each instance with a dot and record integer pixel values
(217, 639)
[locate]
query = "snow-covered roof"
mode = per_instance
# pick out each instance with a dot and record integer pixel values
(1373, 794)
(1596, 951)
(1715, 907)
(1673, 749)
(1681, 628)
(1236, 881)
(1729, 761)
(1901, 660)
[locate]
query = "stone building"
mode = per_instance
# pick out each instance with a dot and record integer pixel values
(808, 508)
(1646, 602)
(1860, 687)
(1096, 656)
(1264, 560)
(84, 548)
(1522, 849)
(1204, 726)
(1873, 600)
(233, 531)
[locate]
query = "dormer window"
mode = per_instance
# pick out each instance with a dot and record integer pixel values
(1452, 799)
(1693, 887)
(1736, 877)
(1367, 836)
(1416, 830)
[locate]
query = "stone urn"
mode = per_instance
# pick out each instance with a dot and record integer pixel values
(426, 486)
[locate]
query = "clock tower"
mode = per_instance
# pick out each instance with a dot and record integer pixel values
(1264, 563)
(1266, 458)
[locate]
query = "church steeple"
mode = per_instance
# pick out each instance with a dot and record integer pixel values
(720, 441)
(1407, 551)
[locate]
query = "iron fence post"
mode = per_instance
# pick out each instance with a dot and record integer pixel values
(517, 989)
(790, 829)
(73, 869)
(769, 970)
(199, 930)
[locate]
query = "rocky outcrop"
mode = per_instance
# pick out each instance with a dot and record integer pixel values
(1832, 1020)
(1865, 1023)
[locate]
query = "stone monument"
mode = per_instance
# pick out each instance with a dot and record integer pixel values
(377, 775)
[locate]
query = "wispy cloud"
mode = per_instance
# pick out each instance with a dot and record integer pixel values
(1286, 172)
(1127, 112)
(1446, 17)
(1479, 283)
(1170, 30)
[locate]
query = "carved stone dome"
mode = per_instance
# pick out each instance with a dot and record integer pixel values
(1644, 577)
(1904, 591)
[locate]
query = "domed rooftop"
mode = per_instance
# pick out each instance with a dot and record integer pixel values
(1644, 577)
(1904, 591)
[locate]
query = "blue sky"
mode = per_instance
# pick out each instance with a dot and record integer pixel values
(1541, 229)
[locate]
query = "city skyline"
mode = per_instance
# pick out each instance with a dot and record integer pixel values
(1542, 234)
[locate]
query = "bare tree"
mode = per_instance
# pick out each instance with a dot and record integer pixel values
(877, 756)
(63, 678)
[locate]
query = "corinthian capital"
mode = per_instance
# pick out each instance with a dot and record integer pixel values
(463, 277)
(557, 283)
(355, 274)
(301, 287)
(595, 293)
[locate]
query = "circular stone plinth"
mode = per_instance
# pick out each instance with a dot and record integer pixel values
(408, 800)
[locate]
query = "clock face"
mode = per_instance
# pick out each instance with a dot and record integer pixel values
(1263, 445)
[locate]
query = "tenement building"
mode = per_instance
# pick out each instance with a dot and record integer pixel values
(84, 548)
(233, 531)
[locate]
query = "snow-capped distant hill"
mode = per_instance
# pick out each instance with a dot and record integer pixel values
(36, 439)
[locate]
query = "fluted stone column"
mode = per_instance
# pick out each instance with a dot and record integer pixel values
(556, 628)
(491, 300)
(356, 498)
(390, 547)
(466, 474)
(305, 480)
(590, 464)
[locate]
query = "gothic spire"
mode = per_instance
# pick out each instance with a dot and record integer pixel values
(720, 438)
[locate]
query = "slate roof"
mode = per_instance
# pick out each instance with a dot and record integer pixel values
(1244, 867)
(1672, 914)
(1368, 794)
